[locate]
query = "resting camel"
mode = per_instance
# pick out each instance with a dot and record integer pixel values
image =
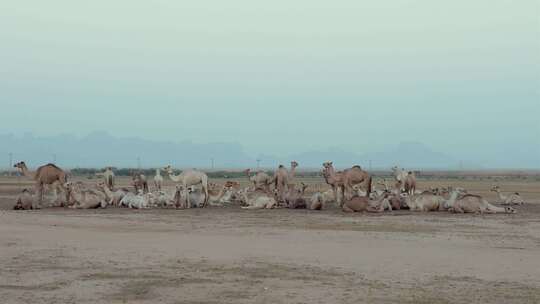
(140, 200)
(108, 177)
(426, 201)
(48, 174)
(319, 199)
(25, 201)
(470, 203)
(258, 200)
(261, 180)
(316, 202)
(84, 199)
(294, 198)
(190, 178)
(158, 180)
(364, 204)
(347, 179)
(113, 198)
(511, 199)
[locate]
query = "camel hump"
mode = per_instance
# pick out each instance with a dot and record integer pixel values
(357, 167)
(471, 195)
(52, 165)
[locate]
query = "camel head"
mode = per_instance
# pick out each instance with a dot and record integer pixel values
(304, 187)
(294, 164)
(327, 165)
(495, 189)
(20, 165)
(509, 210)
(395, 168)
(168, 169)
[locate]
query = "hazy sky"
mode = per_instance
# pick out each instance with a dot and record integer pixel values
(278, 76)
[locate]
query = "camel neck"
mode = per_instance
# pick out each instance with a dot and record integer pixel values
(27, 172)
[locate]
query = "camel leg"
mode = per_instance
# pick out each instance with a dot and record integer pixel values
(39, 192)
(251, 207)
(347, 209)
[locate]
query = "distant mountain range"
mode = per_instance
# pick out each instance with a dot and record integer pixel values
(100, 149)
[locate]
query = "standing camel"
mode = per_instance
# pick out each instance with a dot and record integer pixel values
(108, 177)
(190, 178)
(334, 179)
(281, 182)
(48, 174)
(347, 179)
(158, 179)
(261, 180)
(292, 174)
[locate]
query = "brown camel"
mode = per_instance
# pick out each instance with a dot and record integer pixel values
(347, 179)
(334, 179)
(364, 204)
(48, 174)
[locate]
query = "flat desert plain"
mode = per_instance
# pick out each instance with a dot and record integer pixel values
(230, 255)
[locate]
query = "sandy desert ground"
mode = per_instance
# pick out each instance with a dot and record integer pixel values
(229, 255)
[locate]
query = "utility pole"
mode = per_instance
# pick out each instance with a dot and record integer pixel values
(212, 163)
(138, 163)
(10, 168)
(258, 163)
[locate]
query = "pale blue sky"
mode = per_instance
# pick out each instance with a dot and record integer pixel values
(279, 76)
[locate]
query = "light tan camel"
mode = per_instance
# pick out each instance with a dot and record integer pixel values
(113, 198)
(410, 183)
(108, 177)
(48, 174)
(25, 201)
(190, 178)
(260, 180)
(292, 174)
(139, 182)
(281, 182)
(84, 199)
(294, 198)
(158, 180)
(258, 200)
(335, 180)
(399, 174)
(470, 203)
(511, 199)
(426, 201)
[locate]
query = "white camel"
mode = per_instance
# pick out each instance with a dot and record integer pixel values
(113, 197)
(400, 175)
(158, 180)
(511, 199)
(139, 201)
(108, 177)
(190, 178)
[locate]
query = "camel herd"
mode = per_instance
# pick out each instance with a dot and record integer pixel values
(352, 190)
